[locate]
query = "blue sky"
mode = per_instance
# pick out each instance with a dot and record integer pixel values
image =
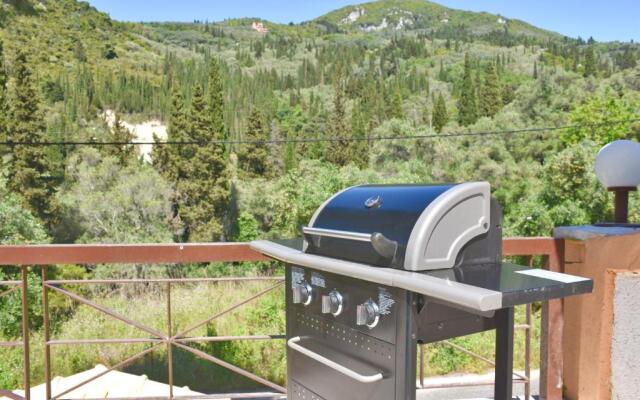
(604, 20)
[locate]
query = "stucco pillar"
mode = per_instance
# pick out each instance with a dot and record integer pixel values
(597, 325)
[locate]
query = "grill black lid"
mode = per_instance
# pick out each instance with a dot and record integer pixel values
(393, 225)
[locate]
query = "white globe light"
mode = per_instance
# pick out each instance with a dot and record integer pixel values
(618, 164)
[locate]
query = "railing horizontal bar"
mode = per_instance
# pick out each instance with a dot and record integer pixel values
(103, 341)
(161, 280)
(157, 253)
(176, 253)
(536, 246)
(10, 395)
(8, 292)
(10, 344)
(10, 283)
(522, 326)
(228, 338)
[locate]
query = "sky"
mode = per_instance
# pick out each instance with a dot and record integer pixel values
(603, 19)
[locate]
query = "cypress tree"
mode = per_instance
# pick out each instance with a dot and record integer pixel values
(252, 157)
(535, 70)
(442, 75)
(276, 149)
(590, 62)
(395, 107)
(79, 52)
(30, 170)
(205, 193)
(215, 106)
(490, 94)
(120, 134)
(467, 108)
(339, 151)
(628, 59)
(172, 160)
(4, 104)
(359, 129)
(440, 117)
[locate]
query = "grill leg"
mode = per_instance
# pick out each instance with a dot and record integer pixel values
(504, 354)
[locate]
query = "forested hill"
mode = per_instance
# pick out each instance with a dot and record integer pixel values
(424, 15)
(391, 68)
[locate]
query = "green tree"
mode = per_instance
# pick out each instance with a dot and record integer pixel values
(113, 203)
(79, 52)
(171, 160)
(467, 105)
(602, 119)
(253, 157)
(109, 51)
(490, 93)
(4, 104)
(359, 131)
(628, 58)
(205, 193)
(439, 115)
(590, 67)
(125, 153)
(215, 106)
(339, 152)
(30, 171)
(395, 106)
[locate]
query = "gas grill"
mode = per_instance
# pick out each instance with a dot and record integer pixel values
(383, 267)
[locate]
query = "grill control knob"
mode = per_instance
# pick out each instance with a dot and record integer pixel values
(302, 294)
(332, 304)
(368, 314)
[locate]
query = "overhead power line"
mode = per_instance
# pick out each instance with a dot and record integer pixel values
(325, 139)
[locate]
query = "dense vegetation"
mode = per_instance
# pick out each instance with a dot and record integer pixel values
(257, 110)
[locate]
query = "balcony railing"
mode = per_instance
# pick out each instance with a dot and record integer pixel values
(42, 256)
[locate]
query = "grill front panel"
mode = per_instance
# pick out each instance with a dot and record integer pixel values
(367, 351)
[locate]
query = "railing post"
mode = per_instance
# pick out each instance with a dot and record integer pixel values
(421, 347)
(47, 334)
(169, 341)
(25, 333)
(527, 353)
(551, 382)
(527, 343)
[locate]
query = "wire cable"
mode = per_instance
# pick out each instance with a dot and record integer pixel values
(316, 140)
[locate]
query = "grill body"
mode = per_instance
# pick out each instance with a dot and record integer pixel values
(383, 268)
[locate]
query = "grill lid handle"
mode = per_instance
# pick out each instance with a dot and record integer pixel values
(385, 247)
(361, 237)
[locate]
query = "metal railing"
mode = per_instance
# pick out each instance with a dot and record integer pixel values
(45, 255)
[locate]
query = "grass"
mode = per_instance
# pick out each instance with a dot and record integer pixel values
(192, 303)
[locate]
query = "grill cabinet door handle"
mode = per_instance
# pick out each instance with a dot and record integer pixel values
(293, 343)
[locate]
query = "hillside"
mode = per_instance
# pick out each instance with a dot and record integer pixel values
(62, 33)
(423, 15)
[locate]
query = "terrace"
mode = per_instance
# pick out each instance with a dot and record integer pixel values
(547, 252)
